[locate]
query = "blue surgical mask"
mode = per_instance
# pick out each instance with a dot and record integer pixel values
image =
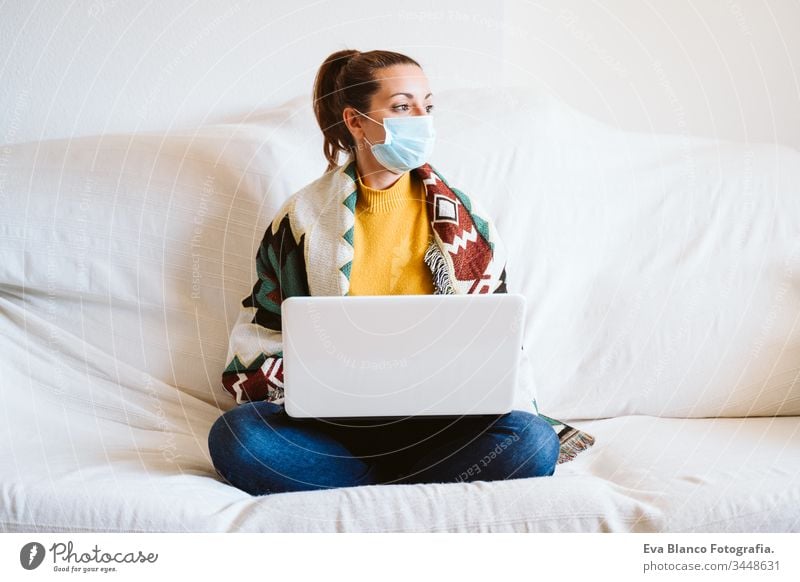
(408, 143)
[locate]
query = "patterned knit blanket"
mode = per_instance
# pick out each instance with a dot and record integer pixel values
(314, 228)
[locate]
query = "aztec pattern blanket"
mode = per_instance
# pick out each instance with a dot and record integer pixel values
(314, 227)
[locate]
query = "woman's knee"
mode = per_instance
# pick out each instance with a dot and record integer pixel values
(231, 430)
(258, 449)
(538, 448)
(237, 437)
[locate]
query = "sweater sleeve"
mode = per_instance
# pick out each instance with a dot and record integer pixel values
(254, 368)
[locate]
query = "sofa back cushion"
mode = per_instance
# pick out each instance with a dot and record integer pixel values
(143, 245)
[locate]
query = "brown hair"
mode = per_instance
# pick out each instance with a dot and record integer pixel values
(347, 78)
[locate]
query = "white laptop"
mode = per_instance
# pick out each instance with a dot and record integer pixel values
(389, 356)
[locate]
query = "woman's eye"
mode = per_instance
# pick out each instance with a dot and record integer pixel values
(404, 107)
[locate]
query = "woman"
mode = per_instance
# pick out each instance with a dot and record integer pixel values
(374, 220)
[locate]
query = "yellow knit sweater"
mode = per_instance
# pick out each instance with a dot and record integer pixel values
(390, 237)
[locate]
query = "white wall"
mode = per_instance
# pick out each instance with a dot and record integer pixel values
(719, 68)
(706, 67)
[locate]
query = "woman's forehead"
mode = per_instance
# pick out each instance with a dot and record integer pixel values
(403, 79)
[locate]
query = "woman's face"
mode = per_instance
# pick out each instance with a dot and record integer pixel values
(404, 91)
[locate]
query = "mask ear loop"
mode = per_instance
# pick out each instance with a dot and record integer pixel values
(368, 117)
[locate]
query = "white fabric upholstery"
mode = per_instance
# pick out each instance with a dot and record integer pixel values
(660, 273)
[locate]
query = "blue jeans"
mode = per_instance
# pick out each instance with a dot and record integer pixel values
(258, 448)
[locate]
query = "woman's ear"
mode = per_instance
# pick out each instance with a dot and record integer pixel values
(353, 121)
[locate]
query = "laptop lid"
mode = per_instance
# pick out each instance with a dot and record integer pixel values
(401, 355)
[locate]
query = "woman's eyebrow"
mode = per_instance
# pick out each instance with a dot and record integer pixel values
(409, 95)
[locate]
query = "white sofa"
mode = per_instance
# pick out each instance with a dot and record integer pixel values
(663, 283)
